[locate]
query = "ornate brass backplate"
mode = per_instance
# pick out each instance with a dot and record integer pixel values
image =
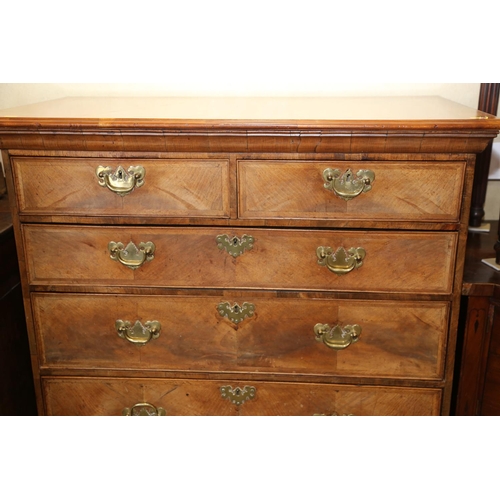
(342, 261)
(236, 313)
(121, 181)
(348, 185)
(338, 337)
(144, 410)
(238, 396)
(235, 246)
(131, 255)
(138, 333)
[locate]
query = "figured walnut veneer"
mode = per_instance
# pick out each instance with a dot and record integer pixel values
(379, 252)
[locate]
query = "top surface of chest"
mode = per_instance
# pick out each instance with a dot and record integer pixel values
(343, 112)
(251, 124)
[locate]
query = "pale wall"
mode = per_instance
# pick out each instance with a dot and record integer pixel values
(17, 94)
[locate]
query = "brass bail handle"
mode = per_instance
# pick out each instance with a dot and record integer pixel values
(341, 261)
(138, 333)
(121, 181)
(144, 410)
(337, 337)
(348, 185)
(131, 255)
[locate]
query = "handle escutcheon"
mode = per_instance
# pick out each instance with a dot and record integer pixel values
(143, 410)
(131, 255)
(348, 185)
(337, 338)
(234, 246)
(121, 181)
(236, 313)
(342, 261)
(238, 396)
(138, 333)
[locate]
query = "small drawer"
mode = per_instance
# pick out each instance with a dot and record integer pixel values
(348, 338)
(362, 190)
(135, 188)
(417, 262)
(179, 397)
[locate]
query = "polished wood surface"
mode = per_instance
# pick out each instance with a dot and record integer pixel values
(380, 112)
(280, 259)
(411, 190)
(79, 331)
(101, 396)
(172, 188)
(407, 291)
(401, 191)
(211, 124)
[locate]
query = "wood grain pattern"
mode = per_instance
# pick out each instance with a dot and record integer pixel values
(412, 225)
(172, 188)
(423, 191)
(399, 339)
(101, 396)
(280, 259)
(285, 125)
(212, 140)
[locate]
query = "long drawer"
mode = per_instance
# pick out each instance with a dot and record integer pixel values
(253, 334)
(102, 396)
(417, 262)
(135, 188)
(423, 191)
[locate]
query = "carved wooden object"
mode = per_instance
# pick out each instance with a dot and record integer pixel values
(178, 255)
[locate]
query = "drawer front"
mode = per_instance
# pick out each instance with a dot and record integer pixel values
(278, 259)
(421, 191)
(251, 334)
(168, 188)
(73, 396)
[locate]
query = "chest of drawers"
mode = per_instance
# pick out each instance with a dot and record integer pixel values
(210, 256)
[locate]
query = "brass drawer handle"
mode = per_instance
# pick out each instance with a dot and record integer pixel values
(236, 313)
(338, 337)
(138, 334)
(121, 181)
(348, 185)
(238, 396)
(235, 246)
(143, 410)
(342, 261)
(131, 255)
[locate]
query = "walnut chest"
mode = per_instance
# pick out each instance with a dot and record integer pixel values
(242, 256)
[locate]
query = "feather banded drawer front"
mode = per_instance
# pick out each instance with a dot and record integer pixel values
(242, 256)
